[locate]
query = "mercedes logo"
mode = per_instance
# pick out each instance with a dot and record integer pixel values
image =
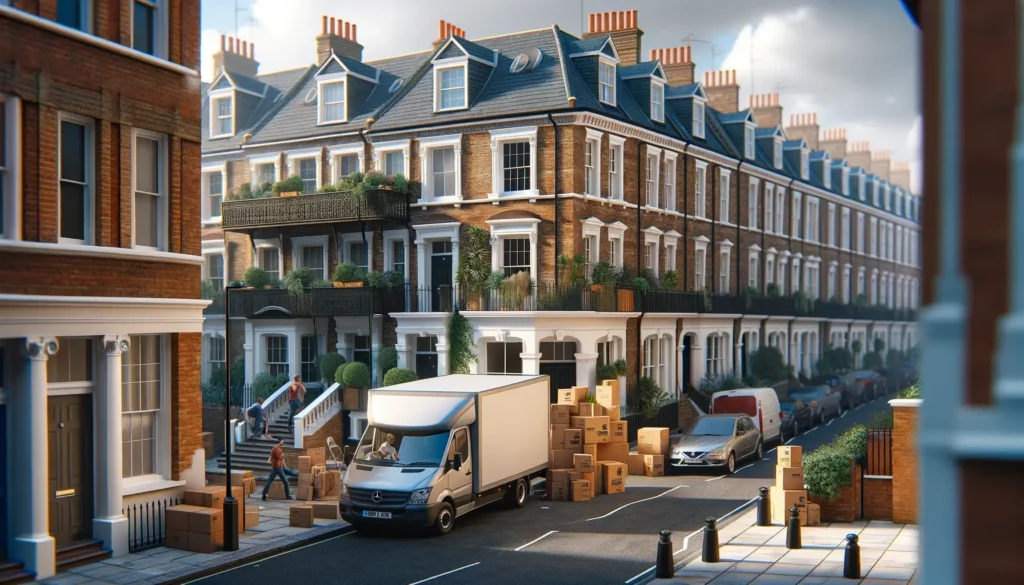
(377, 497)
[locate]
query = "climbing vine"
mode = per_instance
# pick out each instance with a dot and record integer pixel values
(460, 344)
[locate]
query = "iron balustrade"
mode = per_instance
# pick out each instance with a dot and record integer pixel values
(381, 205)
(146, 526)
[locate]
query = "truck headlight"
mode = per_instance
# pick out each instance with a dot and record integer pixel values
(419, 496)
(717, 454)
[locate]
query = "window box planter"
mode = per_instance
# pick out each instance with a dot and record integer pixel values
(626, 301)
(598, 288)
(355, 398)
(356, 284)
(288, 194)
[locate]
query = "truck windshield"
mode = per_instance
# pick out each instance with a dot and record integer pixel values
(390, 447)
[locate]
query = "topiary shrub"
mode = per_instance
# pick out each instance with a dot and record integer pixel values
(356, 375)
(460, 344)
(256, 277)
(913, 391)
(767, 363)
(388, 358)
(853, 442)
(330, 363)
(348, 272)
(826, 472)
(873, 360)
(620, 368)
(289, 185)
(266, 384)
(399, 376)
(298, 280)
(606, 372)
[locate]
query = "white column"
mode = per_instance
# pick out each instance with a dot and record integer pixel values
(455, 255)
(531, 363)
(421, 266)
(737, 360)
(698, 364)
(29, 491)
(442, 355)
(404, 355)
(376, 334)
(586, 370)
(250, 354)
(294, 354)
(496, 252)
(109, 523)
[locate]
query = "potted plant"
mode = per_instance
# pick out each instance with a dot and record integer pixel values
(399, 376)
(748, 293)
(572, 270)
(669, 280)
(290, 187)
(493, 288)
(298, 280)
(329, 365)
(348, 274)
(602, 275)
(474, 266)
(355, 378)
(624, 292)
(376, 280)
(514, 291)
(256, 277)
(773, 291)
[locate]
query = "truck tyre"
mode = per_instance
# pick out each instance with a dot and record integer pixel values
(445, 520)
(516, 497)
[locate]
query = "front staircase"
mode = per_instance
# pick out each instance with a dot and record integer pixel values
(82, 552)
(253, 454)
(14, 573)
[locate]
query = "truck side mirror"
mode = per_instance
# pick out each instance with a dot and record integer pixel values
(346, 455)
(457, 462)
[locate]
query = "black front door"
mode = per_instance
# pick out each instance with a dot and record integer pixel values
(70, 467)
(441, 281)
(563, 375)
(426, 365)
(686, 362)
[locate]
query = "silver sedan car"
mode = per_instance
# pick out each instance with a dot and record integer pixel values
(717, 440)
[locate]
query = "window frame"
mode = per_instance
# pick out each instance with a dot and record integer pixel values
(724, 195)
(299, 243)
(700, 263)
(652, 250)
(777, 153)
(207, 203)
(89, 185)
(846, 180)
(797, 227)
(215, 98)
(499, 138)
(10, 169)
(652, 182)
(724, 267)
(700, 177)
(616, 243)
(860, 233)
(336, 154)
(162, 424)
(321, 105)
(440, 67)
(780, 210)
(265, 361)
(86, 15)
(207, 274)
(381, 149)
(427, 147)
(699, 122)
(389, 239)
(294, 160)
(345, 249)
(262, 245)
(826, 173)
(845, 239)
(604, 63)
(832, 224)
(769, 207)
(592, 174)
(749, 149)
(616, 159)
(160, 32)
(668, 194)
(163, 183)
(506, 343)
(812, 220)
(656, 106)
(805, 163)
(753, 209)
(753, 268)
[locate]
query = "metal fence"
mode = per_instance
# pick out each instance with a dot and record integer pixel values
(879, 455)
(146, 523)
(667, 416)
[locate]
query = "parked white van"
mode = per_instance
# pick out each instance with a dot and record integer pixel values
(760, 404)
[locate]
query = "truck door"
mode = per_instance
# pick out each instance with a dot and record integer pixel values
(460, 481)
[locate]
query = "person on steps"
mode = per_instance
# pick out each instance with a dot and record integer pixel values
(257, 418)
(296, 394)
(277, 470)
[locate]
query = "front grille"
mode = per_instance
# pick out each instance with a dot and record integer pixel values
(694, 454)
(365, 497)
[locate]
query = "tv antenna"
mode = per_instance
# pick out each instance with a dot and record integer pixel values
(248, 18)
(692, 39)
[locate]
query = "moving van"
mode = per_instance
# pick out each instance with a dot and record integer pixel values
(760, 404)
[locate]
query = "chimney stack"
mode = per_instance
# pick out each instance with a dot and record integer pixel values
(899, 174)
(337, 36)
(622, 27)
(833, 141)
(676, 62)
(859, 155)
(767, 110)
(446, 29)
(880, 164)
(804, 126)
(723, 91)
(236, 56)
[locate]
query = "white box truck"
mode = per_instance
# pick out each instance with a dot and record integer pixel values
(438, 448)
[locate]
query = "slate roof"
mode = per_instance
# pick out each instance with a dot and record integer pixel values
(681, 91)
(246, 83)
(645, 69)
(475, 50)
(276, 85)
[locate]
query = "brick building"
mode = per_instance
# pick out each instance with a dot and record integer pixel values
(100, 315)
(559, 147)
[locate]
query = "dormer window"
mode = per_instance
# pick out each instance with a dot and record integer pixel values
(846, 181)
(606, 82)
(862, 185)
(748, 141)
(805, 164)
(888, 198)
(778, 153)
(826, 174)
(332, 104)
(698, 119)
(451, 88)
(657, 101)
(875, 195)
(222, 115)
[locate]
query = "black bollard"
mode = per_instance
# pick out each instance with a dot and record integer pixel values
(793, 529)
(710, 552)
(665, 566)
(764, 514)
(851, 562)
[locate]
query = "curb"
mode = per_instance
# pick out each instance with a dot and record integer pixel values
(251, 555)
(699, 548)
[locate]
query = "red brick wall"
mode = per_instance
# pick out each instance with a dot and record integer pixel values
(50, 274)
(846, 508)
(877, 499)
(904, 464)
(186, 400)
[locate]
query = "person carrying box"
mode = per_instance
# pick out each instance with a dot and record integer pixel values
(296, 394)
(277, 470)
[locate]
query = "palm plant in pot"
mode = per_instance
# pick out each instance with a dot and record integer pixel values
(474, 266)
(602, 275)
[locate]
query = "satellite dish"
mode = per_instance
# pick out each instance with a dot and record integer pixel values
(519, 63)
(394, 86)
(310, 96)
(535, 56)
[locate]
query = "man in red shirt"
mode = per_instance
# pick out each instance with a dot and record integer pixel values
(277, 470)
(296, 394)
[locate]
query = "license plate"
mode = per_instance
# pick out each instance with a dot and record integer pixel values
(692, 461)
(373, 514)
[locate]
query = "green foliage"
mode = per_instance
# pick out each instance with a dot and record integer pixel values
(375, 179)
(642, 285)
(881, 420)
(572, 271)
(711, 384)
(802, 303)
(856, 346)
(495, 279)
(648, 398)
(913, 391)
(298, 280)
(329, 365)
(376, 280)
(213, 389)
(387, 358)
(853, 442)
(834, 360)
(356, 375)
(208, 291)
(590, 399)
(767, 363)
(873, 360)
(394, 279)
(603, 273)
(256, 277)
(893, 358)
(348, 272)
(879, 346)
(669, 280)
(606, 372)
(321, 283)
(399, 183)
(861, 301)
(826, 471)
(620, 368)
(247, 191)
(266, 384)
(460, 344)
(624, 278)
(751, 381)
(399, 376)
(773, 291)
(475, 261)
(289, 185)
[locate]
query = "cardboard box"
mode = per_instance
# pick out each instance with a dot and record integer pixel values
(205, 543)
(592, 478)
(557, 475)
(332, 483)
(318, 485)
(561, 459)
(304, 493)
(652, 441)
(300, 516)
(177, 517)
(221, 478)
(572, 475)
(614, 476)
(618, 431)
(613, 413)
(318, 455)
(614, 383)
(813, 514)
(305, 464)
(206, 521)
(248, 486)
(583, 463)
(305, 479)
(559, 414)
(318, 469)
(586, 409)
(556, 436)
(252, 518)
(276, 490)
(176, 539)
(557, 491)
(654, 465)
(613, 452)
(573, 440)
(783, 500)
(580, 491)
(789, 478)
(203, 498)
(636, 464)
(592, 451)
(595, 428)
(607, 396)
(327, 510)
(790, 456)
(567, 397)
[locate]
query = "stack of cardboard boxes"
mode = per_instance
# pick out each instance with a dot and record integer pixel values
(788, 491)
(588, 442)
(316, 482)
(242, 477)
(198, 524)
(652, 445)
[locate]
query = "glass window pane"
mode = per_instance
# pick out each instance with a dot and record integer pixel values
(72, 151)
(69, 13)
(72, 210)
(146, 220)
(147, 167)
(143, 21)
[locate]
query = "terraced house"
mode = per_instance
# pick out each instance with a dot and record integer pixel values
(577, 160)
(100, 311)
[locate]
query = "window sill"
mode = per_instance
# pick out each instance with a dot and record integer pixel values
(152, 255)
(330, 122)
(221, 136)
(446, 110)
(149, 484)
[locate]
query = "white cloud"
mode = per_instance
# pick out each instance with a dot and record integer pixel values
(913, 145)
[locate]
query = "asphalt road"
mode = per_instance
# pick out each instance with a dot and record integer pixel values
(609, 539)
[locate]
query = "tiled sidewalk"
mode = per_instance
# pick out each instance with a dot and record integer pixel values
(755, 555)
(162, 564)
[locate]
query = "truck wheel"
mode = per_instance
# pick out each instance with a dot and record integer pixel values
(516, 497)
(445, 520)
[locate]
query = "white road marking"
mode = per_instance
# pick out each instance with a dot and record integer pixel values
(809, 431)
(257, 562)
(714, 478)
(773, 450)
(536, 540)
(744, 467)
(637, 502)
(829, 423)
(445, 573)
(789, 441)
(845, 412)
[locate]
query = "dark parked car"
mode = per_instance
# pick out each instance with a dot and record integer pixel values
(873, 383)
(824, 401)
(796, 416)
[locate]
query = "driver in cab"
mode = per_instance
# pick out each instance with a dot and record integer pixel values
(387, 449)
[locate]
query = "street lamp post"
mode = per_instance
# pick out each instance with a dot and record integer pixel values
(230, 503)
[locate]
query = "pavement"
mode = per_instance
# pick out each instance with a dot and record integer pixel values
(756, 555)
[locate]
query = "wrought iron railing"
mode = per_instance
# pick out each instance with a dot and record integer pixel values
(146, 528)
(667, 417)
(314, 208)
(216, 306)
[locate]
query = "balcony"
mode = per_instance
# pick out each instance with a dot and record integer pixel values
(336, 207)
(316, 302)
